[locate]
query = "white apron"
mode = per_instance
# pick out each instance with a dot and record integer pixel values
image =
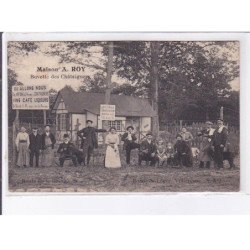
(112, 159)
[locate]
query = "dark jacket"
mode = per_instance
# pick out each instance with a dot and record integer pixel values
(66, 149)
(52, 138)
(149, 148)
(90, 134)
(126, 141)
(220, 138)
(181, 147)
(35, 142)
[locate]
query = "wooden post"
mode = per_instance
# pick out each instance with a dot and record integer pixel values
(109, 72)
(108, 79)
(17, 118)
(14, 134)
(44, 117)
(221, 112)
(155, 48)
(77, 129)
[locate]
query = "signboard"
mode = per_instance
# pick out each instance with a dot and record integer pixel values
(107, 112)
(30, 97)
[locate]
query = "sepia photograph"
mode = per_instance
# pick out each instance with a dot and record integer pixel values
(123, 116)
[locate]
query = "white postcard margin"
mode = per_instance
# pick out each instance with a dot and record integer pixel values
(135, 203)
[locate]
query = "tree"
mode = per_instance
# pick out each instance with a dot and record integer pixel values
(180, 78)
(16, 49)
(12, 80)
(96, 83)
(191, 76)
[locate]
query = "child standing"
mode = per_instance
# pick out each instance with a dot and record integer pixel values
(170, 154)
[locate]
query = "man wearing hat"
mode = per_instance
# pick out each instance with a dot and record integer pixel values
(206, 152)
(66, 151)
(89, 139)
(129, 139)
(148, 151)
(219, 140)
(35, 146)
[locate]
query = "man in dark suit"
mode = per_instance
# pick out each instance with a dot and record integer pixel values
(219, 140)
(66, 151)
(35, 146)
(129, 139)
(148, 151)
(89, 139)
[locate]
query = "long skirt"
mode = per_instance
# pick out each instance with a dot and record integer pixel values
(23, 154)
(206, 153)
(112, 159)
(47, 157)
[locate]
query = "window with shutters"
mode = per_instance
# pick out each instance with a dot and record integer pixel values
(117, 124)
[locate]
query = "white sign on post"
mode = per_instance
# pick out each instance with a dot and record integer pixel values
(107, 112)
(30, 97)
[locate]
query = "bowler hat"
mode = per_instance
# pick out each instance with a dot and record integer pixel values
(130, 127)
(65, 136)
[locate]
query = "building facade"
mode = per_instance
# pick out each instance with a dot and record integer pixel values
(73, 109)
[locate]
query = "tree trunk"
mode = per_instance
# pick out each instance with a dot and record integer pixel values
(109, 78)
(154, 95)
(109, 72)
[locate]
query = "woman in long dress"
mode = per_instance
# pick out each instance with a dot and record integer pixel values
(206, 152)
(22, 144)
(112, 159)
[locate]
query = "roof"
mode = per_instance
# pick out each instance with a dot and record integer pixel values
(78, 102)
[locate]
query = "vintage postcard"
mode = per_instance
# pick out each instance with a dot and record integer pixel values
(123, 116)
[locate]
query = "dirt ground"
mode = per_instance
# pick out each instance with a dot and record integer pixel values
(97, 178)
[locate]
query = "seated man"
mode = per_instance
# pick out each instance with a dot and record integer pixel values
(129, 139)
(182, 152)
(148, 151)
(66, 151)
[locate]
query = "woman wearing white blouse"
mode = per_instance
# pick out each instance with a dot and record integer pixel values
(22, 144)
(112, 159)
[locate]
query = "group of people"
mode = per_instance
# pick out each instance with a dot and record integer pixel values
(214, 143)
(214, 147)
(30, 146)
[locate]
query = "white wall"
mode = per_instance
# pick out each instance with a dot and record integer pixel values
(81, 119)
(92, 117)
(145, 124)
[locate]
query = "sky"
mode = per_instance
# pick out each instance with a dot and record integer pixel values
(26, 66)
